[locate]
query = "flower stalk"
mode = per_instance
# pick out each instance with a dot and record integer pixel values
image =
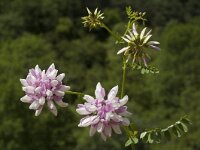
(123, 76)
(118, 38)
(74, 93)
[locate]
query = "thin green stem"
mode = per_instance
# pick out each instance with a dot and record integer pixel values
(128, 26)
(129, 136)
(122, 94)
(111, 32)
(123, 77)
(75, 93)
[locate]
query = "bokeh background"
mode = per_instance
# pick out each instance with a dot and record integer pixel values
(50, 31)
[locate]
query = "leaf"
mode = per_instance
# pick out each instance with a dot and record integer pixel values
(142, 135)
(129, 142)
(135, 140)
(134, 15)
(185, 121)
(185, 128)
(147, 71)
(167, 134)
(179, 125)
(157, 136)
(143, 71)
(149, 138)
(176, 131)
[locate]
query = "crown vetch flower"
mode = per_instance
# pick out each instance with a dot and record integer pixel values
(41, 87)
(104, 114)
(137, 42)
(93, 20)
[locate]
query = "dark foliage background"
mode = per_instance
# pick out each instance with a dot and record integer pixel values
(46, 31)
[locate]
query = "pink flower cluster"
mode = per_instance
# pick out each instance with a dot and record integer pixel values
(104, 114)
(44, 86)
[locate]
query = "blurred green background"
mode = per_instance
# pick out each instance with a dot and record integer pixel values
(46, 31)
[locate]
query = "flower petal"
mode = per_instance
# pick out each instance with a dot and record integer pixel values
(42, 101)
(49, 93)
(113, 92)
(28, 89)
(126, 122)
(54, 111)
(134, 30)
(124, 100)
(86, 121)
(145, 61)
(142, 33)
(117, 118)
(125, 114)
(38, 89)
(51, 105)
(52, 67)
(38, 111)
(88, 98)
(99, 92)
(116, 128)
(92, 130)
(147, 38)
(34, 105)
(64, 88)
(103, 136)
(37, 70)
(153, 43)
(90, 107)
(82, 111)
(100, 127)
(59, 93)
(61, 103)
(24, 82)
(123, 50)
(108, 131)
(52, 74)
(60, 77)
(26, 99)
(125, 39)
(148, 33)
(155, 47)
(54, 83)
(89, 12)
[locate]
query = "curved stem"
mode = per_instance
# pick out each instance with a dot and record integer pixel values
(110, 31)
(127, 28)
(123, 76)
(75, 93)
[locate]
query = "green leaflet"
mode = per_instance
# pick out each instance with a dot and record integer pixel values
(156, 135)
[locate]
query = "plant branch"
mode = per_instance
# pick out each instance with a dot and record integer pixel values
(123, 76)
(111, 32)
(74, 93)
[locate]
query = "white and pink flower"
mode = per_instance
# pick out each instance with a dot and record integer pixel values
(43, 87)
(137, 42)
(104, 114)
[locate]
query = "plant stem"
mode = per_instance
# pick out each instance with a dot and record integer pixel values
(122, 94)
(110, 31)
(127, 28)
(123, 76)
(74, 93)
(129, 136)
